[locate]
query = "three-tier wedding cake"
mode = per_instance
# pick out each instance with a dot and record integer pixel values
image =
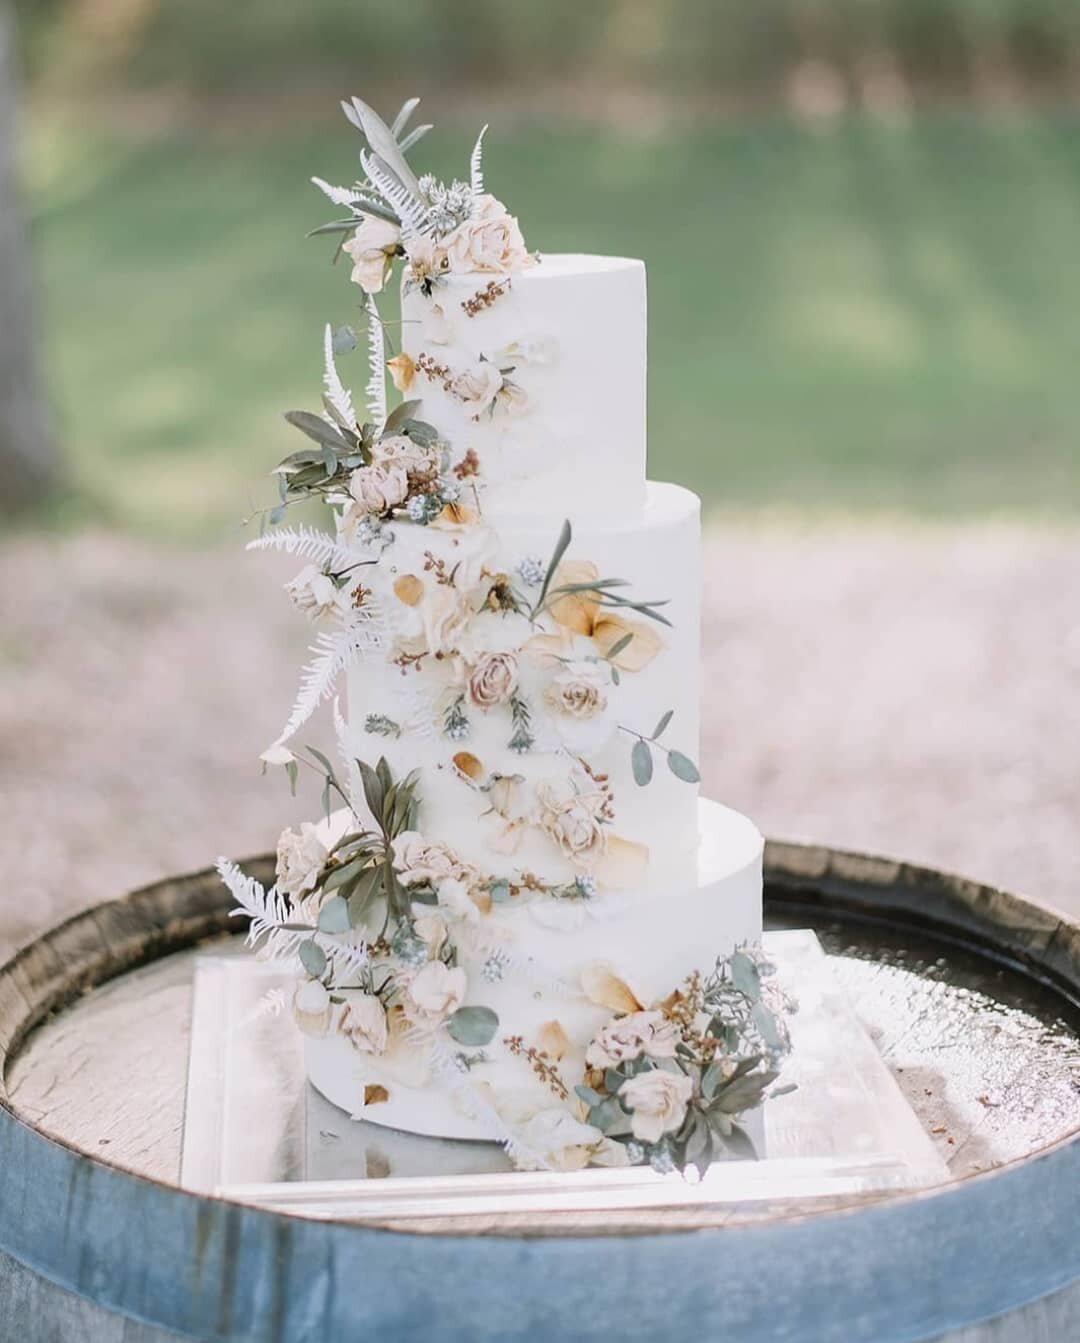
(517, 920)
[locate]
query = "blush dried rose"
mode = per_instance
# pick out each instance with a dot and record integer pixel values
(372, 247)
(579, 690)
(300, 857)
(648, 1033)
(657, 1101)
(377, 489)
(363, 1023)
(492, 680)
(419, 861)
(488, 240)
(572, 819)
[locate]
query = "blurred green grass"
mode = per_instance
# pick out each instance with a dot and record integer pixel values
(859, 316)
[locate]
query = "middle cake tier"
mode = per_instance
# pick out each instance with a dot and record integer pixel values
(549, 701)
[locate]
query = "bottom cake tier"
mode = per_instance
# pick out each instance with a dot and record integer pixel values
(553, 973)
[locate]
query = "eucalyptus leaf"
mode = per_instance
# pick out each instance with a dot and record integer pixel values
(767, 1026)
(316, 428)
(641, 762)
(683, 767)
(664, 721)
(334, 916)
(473, 1025)
(499, 891)
(344, 340)
(399, 415)
(312, 958)
(744, 975)
(588, 1095)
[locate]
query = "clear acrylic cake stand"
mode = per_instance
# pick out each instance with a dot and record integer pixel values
(256, 1131)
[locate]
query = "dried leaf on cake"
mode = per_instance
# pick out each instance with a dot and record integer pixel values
(623, 864)
(409, 589)
(601, 985)
(575, 611)
(374, 1094)
(642, 647)
(553, 1040)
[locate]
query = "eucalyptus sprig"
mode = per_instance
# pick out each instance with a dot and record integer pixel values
(641, 754)
(603, 590)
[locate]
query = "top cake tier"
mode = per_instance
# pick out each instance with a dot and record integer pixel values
(542, 374)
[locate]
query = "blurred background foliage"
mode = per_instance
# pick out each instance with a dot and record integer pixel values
(860, 219)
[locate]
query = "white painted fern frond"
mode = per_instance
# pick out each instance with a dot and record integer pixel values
(332, 653)
(467, 1094)
(346, 955)
(476, 165)
(339, 195)
(268, 910)
(309, 543)
(409, 209)
(270, 1006)
(376, 388)
(337, 393)
(354, 788)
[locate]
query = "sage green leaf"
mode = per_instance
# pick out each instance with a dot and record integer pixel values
(641, 762)
(334, 916)
(613, 1080)
(399, 415)
(588, 1095)
(292, 770)
(683, 767)
(711, 1078)
(341, 876)
(473, 1025)
(312, 958)
(499, 891)
(767, 1026)
(417, 133)
(565, 537)
(664, 721)
(744, 975)
(316, 428)
(614, 651)
(373, 789)
(368, 885)
(382, 142)
(343, 340)
(408, 107)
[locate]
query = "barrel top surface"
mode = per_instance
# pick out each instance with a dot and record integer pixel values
(970, 993)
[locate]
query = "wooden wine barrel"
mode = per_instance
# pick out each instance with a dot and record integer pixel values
(972, 995)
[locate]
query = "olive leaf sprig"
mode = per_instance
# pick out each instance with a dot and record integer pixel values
(641, 754)
(604, 590)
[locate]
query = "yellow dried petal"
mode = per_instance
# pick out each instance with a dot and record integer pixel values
(575, 611)
(641, 649)
(469, 766)
(624, 863)
(402, 371)
(601, 985)
(553, 1040)
(409, 589)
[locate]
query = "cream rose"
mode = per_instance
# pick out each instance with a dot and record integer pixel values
(477, 387)
(400, 450)
(511, 399)
(572, 819)
(300, 857)
(426, 862)
(311, 1007)
(376, 489)
(312, 592)
(436, 990)
(489, 240)
(363, 1023)
(657, 1101)
(579, 690)
(648, 1033)
(372, 247)
(492, 680)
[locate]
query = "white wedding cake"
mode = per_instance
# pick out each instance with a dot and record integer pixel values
(517, 920)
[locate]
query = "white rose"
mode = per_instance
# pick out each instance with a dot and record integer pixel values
(648, 1033)
(311, 1007)
(557, 1140)
(493, 680)
(376, 489)
(372, 247)
(488, 240)
(436, 990)
(300, 857)
(572, 819)
(419, 861)
(455, 899)
(511, 400)
(312, 592)
(363, 1023)
(477, 386)
(579, 690)
(657, 1100)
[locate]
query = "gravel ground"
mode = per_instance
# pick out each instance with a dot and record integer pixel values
(913, 691)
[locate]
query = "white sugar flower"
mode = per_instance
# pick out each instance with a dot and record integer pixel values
(313, 592)
(657, 1100)
(478, 386)
(372, 247)
(648, 1033)
(558, 1140)
(426, 862)
(311, 1007)
(363, 1023)
(300, 857)
(573, 818)
(437, 990)
(489, 240)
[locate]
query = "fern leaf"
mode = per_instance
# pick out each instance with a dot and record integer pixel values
(338, 394)
(376, 388)
(354, 787)
(309, 543)
(268, 910)
(339, 195)
(410, 210)
(476, 169)
(333, 653)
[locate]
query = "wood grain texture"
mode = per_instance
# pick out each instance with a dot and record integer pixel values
(905, 1268)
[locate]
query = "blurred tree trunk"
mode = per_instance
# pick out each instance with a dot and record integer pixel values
(29, 460)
